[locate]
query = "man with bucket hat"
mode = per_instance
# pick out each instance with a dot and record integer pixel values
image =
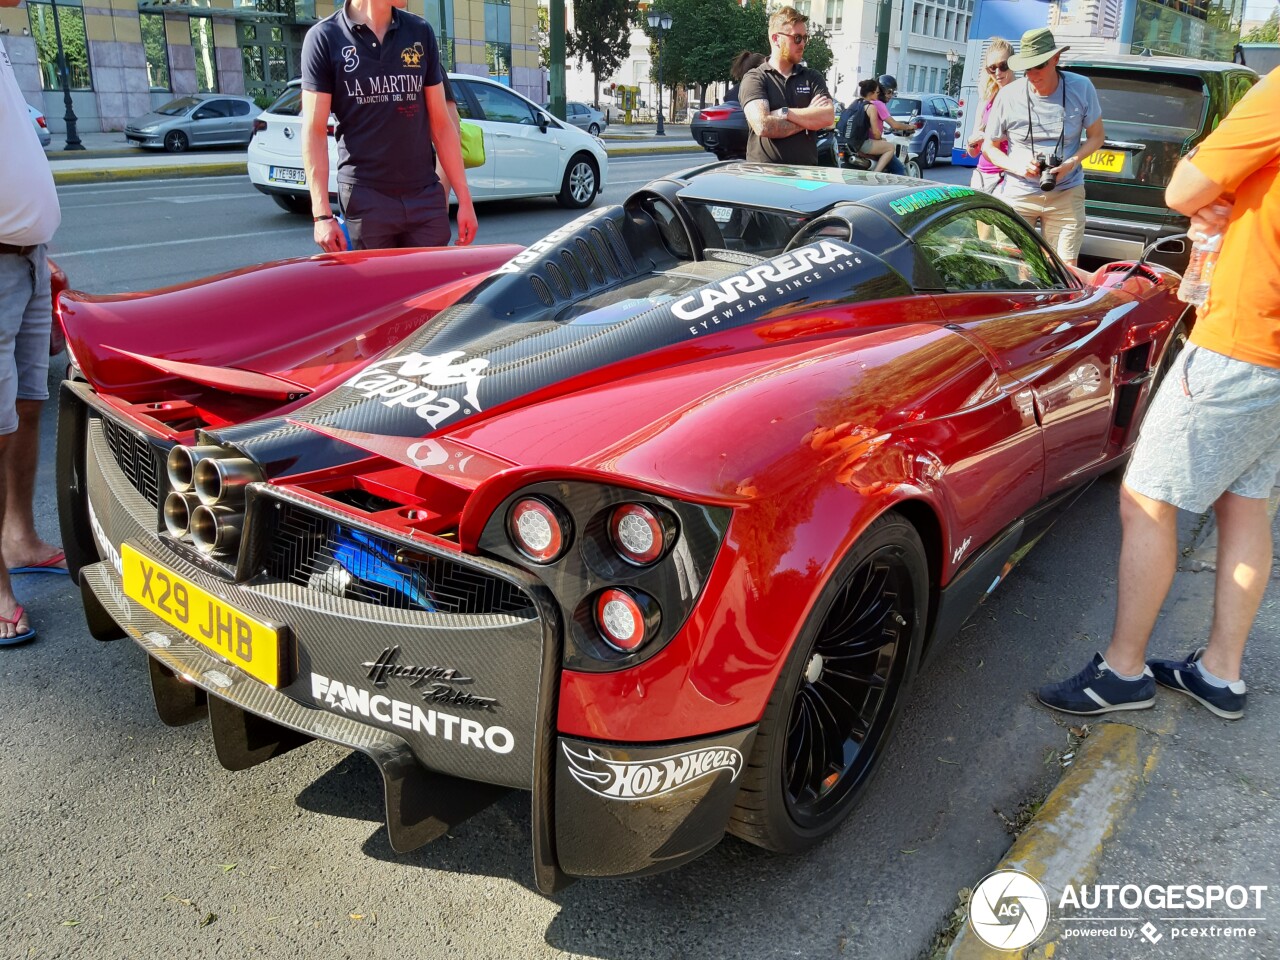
(1052, 121)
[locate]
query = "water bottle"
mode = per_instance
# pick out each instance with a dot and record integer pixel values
(342, 223)
(1194, 288)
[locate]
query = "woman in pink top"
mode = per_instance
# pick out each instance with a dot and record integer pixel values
(997, 74)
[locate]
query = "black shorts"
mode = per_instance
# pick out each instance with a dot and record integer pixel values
(377, 220)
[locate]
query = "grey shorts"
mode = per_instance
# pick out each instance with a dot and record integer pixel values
(985, 182)
(26, 312)
(381, 221)
(1213, 428)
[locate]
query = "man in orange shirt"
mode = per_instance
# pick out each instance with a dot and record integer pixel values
(1212, 436)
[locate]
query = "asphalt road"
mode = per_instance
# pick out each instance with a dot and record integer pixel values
(121, 838)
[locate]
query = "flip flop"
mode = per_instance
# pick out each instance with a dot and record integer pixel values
(44, 566)
(20, 638)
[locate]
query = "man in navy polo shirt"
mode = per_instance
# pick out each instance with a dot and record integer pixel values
(377, 69)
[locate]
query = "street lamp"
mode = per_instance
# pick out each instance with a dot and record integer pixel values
(64, 72)
(952, 59)
(660, 23)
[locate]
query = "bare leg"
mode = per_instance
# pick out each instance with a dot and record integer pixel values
(21, 545)
(1244, 566)
(1148, 562)
(8, 602)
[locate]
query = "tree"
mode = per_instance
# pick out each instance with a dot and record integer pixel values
(705, 37)
(601, 36)
(544, 37)
(1268, 32)
(817, 52)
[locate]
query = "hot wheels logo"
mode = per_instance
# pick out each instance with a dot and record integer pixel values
(642, 779)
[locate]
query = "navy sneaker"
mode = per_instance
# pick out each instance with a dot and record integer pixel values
(1096, 689)
(1184, 676)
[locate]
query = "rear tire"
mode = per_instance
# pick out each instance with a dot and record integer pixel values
(913, 169)
(292, 204)
(930, 155)
(594, 129)
(175, 141)
(581, 183)
(839, 694)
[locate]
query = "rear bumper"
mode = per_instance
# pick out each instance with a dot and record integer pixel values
(598, 809)
(1111, 238)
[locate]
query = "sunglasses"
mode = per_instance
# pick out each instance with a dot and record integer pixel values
(798, 38)
(1000, 67)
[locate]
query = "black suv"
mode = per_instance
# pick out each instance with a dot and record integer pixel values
(1154, 109)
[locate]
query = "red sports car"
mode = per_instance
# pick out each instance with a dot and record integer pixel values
(654, 519)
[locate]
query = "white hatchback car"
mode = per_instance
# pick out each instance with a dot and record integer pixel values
(528, 153)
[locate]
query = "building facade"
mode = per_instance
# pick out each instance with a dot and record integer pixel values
(125, 57)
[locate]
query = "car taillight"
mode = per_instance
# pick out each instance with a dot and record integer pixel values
(538, 529)
(258, 126)
(637, 533)
(40, 121)
(621, 620)
(714, 115)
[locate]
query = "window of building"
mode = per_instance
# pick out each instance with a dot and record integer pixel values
(497, 39)
(803, 7)
(917, 14)
(156, 47)
(71, 23)
(911, 77)
(203, 50)
(928, 21)
(835, 15)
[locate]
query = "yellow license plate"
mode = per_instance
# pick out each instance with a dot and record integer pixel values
(249, 644)
(1105, 161)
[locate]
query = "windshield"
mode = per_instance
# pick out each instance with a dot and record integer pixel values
(764, 233)
(901, 105)
(177, 107)
(1174, 102)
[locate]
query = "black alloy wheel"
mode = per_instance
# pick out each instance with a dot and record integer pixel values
(175, 141)
(833, 711)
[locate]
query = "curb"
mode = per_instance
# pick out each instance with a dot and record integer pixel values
(231, 168)
(1064, 842)
(106, 175)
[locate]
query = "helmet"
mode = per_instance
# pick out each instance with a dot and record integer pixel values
(888, 81)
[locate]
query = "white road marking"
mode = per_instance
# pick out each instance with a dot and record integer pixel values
(63, 254)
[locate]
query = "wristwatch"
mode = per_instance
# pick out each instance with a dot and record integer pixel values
(785, 111)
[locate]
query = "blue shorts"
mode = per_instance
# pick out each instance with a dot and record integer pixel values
(1213, 428)
(26, 313)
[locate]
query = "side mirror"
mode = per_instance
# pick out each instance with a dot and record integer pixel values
(200, 115)
(543, 121)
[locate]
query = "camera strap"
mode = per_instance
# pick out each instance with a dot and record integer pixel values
(1031, 126)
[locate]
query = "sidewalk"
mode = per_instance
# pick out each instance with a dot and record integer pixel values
(109, 156)
(1164, 798)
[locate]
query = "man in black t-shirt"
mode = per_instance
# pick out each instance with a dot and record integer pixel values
(786, 103)
(377, 69)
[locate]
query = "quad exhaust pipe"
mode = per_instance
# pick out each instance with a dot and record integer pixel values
(207, 502)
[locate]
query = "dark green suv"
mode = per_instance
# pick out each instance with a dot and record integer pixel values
(1154, 109)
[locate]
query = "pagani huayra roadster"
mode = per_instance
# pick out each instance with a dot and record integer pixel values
(654, 519)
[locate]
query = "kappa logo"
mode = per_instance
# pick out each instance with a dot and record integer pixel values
(778, 270)
(411, 380)
(643, 779)
(350, 59)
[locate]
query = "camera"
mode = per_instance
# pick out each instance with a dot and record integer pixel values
(1046, 165)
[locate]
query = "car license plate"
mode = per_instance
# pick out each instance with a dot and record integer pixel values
(287, 175)
(1105, 161)
(249, 644)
